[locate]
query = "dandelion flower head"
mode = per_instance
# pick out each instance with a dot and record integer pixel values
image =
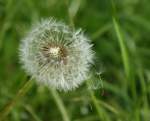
(56, 55)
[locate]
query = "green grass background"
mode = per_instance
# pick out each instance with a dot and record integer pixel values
(120, 32)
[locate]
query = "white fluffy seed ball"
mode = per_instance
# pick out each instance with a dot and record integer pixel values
(55, 55)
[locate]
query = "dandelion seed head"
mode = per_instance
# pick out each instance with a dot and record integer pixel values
(55, 55)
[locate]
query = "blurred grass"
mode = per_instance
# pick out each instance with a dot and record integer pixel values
(122, 46)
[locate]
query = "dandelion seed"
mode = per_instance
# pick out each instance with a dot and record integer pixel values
(56, 56)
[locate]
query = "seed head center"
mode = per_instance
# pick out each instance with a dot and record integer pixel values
(54, 51)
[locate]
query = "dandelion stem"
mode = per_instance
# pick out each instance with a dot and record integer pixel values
(60, 105)
(6, 110)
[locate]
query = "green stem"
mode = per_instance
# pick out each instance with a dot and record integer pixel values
(70, 17)
(124, 53)
(101, 31)
(96, 103)
(122, 47)
(60, 105)
(32, 113)
(6, 110)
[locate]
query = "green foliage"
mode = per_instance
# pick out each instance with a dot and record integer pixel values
(118, 29)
